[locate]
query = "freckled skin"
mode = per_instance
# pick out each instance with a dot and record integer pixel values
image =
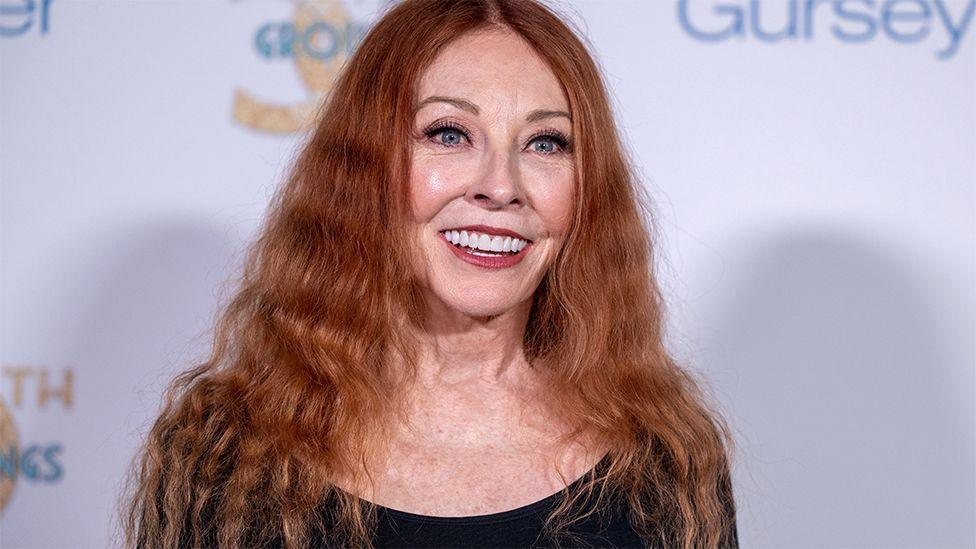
(478, 438)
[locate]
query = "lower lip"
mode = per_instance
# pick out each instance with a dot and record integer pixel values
(498, 262)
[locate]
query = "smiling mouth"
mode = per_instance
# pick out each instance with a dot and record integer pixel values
(483, 244)
(486, 251)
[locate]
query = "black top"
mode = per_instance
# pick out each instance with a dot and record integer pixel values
(608, 527)
(521, 527)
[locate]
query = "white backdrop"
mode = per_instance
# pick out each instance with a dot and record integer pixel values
(813, 166)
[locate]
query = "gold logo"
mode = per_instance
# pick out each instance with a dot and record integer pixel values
(313, 21)
(9, 450)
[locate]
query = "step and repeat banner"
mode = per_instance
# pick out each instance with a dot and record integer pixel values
(812, 165)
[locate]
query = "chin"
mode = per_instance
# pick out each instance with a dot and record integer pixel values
(482, 309)
(481, 306)
(472, 303)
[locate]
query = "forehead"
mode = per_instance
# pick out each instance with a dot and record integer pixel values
(493, 65)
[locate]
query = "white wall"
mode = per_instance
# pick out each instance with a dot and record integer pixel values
(815, 197)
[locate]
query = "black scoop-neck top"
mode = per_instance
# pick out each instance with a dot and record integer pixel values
(519, 527)
(501, 516)
(609, 526)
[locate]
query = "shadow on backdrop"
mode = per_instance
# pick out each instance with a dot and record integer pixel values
(145, 317)
(841, 407)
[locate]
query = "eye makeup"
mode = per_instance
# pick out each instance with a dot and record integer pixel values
(560, 139)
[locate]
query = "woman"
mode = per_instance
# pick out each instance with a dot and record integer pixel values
(448, 332)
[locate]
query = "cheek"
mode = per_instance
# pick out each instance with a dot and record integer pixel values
(431, 187)
(553, 198)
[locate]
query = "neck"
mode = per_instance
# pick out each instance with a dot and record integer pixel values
(472, 373)
(456, 348)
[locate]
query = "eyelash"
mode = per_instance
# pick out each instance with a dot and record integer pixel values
(557, 137)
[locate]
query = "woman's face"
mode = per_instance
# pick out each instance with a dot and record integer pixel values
(492, 165)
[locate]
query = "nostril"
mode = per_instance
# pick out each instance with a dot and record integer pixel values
(489, 200)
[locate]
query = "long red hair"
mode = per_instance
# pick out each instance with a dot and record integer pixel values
(298, 388)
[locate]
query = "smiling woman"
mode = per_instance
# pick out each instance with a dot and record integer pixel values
(448, 332)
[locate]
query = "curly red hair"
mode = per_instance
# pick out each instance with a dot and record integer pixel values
(298, 388)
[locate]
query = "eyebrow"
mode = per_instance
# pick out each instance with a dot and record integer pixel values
(465, 105)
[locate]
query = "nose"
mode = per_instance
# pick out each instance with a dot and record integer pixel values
(499, 185)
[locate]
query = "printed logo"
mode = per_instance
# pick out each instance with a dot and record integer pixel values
(318, 40)
(19, 17)
(23, 461)
(8, 449)
(851, 21)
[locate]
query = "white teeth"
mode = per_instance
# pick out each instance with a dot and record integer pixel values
(484, 242)
(496, 243)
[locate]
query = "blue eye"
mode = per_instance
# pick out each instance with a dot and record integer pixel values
(553, 139)
(453, 136)
(453, 132)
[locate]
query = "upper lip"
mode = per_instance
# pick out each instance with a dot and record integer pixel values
(487, 229)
